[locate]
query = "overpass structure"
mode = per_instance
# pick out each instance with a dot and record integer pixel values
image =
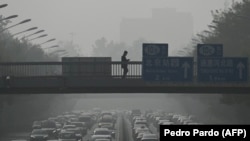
(98, 77)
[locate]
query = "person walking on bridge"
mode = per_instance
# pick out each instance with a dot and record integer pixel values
(124, 64)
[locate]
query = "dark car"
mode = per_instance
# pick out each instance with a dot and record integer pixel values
(39, 135)
(87, 119)
(37, 125)
(67, 136)
(82, 125)
(77, 132)
(50, 127)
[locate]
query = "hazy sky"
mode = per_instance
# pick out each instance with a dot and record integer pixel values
(92, 19)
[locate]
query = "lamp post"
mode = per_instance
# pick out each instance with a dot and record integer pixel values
(212, 26)
(44, 35)
(40, 31)
(33, 28)
(22, 22)
(208, 32)
(54, 46)
(10, 17)
(48, 41)
(3, 5)
(57, 51)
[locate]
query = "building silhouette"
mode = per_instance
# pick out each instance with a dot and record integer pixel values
(165, 26)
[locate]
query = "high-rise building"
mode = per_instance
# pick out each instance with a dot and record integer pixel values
(165, 26)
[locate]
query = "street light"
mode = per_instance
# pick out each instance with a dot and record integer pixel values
(44, 35)
(10, 17)
(208, 32)
(54, 46)
(22, 22)
(57, 51)
(33, 28)
(3, 5)
(48, 41)
(40, 31)
(212, 26)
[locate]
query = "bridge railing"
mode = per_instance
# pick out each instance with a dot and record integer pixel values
(87, 69)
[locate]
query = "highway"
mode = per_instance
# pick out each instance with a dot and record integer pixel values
(123, 128)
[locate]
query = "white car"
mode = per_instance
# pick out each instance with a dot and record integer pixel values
(149, 137)
(101, 133)
(102, 140)
(95, 137)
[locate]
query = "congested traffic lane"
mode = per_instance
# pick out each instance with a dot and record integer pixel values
(117, 130)
(124, 126)
(144, 125)
(26, 135)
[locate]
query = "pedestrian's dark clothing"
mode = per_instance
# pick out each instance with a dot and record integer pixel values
(124, 65)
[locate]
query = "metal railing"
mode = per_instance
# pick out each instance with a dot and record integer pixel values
(87, 69)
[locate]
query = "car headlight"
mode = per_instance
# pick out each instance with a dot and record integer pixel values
(32, 136)
(45, 136)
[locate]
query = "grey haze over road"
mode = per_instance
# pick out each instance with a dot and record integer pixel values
(90, 20)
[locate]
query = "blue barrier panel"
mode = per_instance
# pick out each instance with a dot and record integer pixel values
(223, 69)
(172, 69)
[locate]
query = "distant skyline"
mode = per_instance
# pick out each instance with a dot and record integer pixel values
(166, 25)
(90, 20)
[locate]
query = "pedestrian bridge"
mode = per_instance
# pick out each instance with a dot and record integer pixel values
(104, 77)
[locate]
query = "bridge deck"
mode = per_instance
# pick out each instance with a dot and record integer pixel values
(50, 77)
(60, 84)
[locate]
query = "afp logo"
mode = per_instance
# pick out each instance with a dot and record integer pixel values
(152, 50)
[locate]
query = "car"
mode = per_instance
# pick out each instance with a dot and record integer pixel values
(186, 121)
(106, 121)
(68, 126)
(82, 125)
(135, 112)
(51, 127)
(140, 122)
(77, 132)
(73, 119)
(102, 139)
(52, 119)
(104, 131)
(39, 135)
(58, 125)
(37, 125)
(139, 126)
(95, 137)
(164, 123)
(149, 137)
(141, 130)
(194, 123)
(67, 136)
(87, 119)
(106, 113)
(138, 138)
